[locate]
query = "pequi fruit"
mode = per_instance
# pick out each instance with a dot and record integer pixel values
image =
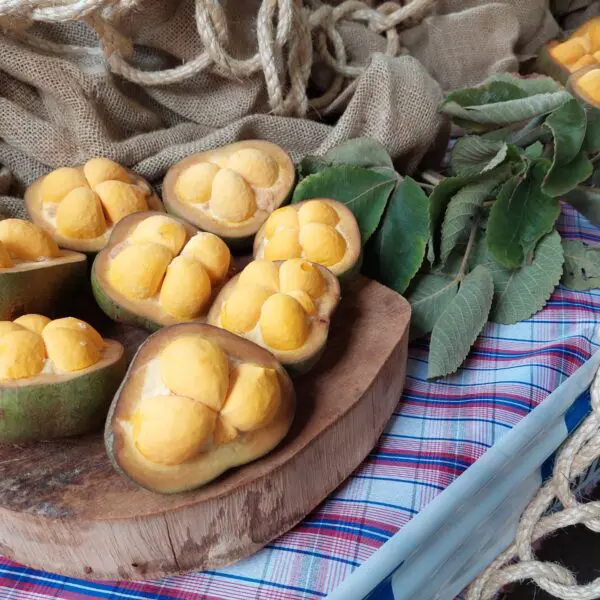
(158, 270)
(580, 50)
(57, 378)
(585, 85)
(195, 402)
(283, 306)
(35, 274)
(79, 206)
(232, 190)
(320, 230)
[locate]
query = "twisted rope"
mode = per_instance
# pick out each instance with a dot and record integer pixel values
(285, 32)
(518, 562)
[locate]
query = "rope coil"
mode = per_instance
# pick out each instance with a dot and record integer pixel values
(518, 562)
(285, 31)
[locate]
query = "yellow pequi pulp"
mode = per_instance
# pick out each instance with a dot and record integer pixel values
(586, 85)
(232, 190)
(196, 401)
(283, 306)
(80, 205)
(158, 270)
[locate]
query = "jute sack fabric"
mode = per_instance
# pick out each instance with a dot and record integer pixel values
(148, 82)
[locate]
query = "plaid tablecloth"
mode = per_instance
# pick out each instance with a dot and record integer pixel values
(438, 430)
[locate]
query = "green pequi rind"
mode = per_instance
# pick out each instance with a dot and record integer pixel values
(48, 290)
(548, 66)
(351, 274)
(62, 409)
(117, 312)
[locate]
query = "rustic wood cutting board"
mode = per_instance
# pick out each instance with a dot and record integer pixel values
(63, 509)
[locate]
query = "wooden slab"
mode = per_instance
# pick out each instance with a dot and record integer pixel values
(63, 509)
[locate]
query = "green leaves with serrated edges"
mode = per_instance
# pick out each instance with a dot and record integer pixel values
(582, 266)
(473, 155)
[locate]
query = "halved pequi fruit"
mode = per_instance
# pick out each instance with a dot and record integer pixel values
(585, 85)
(283, 306)
(581, 49)
(35, 274)
(57, 378)
(230, 191)
(158, 270)
(79, 206)
(320, 230)
(196, 402)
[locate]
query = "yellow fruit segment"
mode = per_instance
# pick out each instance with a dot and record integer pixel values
(137, 271)
(224, 432)
(585, 61)
(570, 51)
(9, 326)
(57, 184)
(169, 430)
(254, 398)
(186, 289)
(283, 245)
(194, 185)
(80, 215)
(97, 170)
(161, 230)
(232, 199)
(26, 241)
(210, 251)
(283, 322)
(317, 211)
(241, 311)
(298, 274)
(5, 260)
(597, 55)
(588, 83)
(33, 322)
(322, 244)
(254, 166)
(194, 367)
(69, 349)
(75, 324)
(305, 300)
(22, 355)
(260, 272)
(120, 199)
(282, 218)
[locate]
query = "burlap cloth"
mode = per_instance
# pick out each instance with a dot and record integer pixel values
(61, 101)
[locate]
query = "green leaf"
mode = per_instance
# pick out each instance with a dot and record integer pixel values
(586, 200)
(360, 152)
(504, 112)
(461, 322)
(363, 191)
(534, 151)
(430, 295)
(520, 293)
(473, 155)
(564, 178)
(464, 206)
(591, 143)
(397, 249)
(531, 86)
(520, 216)
(438, 202)
(582, 266)
(567, 124)
(310, 165)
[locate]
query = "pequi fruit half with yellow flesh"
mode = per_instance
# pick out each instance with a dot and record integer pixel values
(230, 191)
(79, 206)
(283, 306)
(35, 274)
(321, 230)
(579, 50)
(585, 85)
(196, 402)
(159, 270)
(57, 378)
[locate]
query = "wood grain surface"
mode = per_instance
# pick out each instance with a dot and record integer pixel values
(63, 509)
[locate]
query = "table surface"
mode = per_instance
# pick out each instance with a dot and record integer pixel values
(438, 430)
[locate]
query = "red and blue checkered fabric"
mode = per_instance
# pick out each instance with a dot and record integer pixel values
(438, 430)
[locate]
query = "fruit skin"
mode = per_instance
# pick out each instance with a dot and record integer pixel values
(75, 405)
(260, 442)
(46, 288)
